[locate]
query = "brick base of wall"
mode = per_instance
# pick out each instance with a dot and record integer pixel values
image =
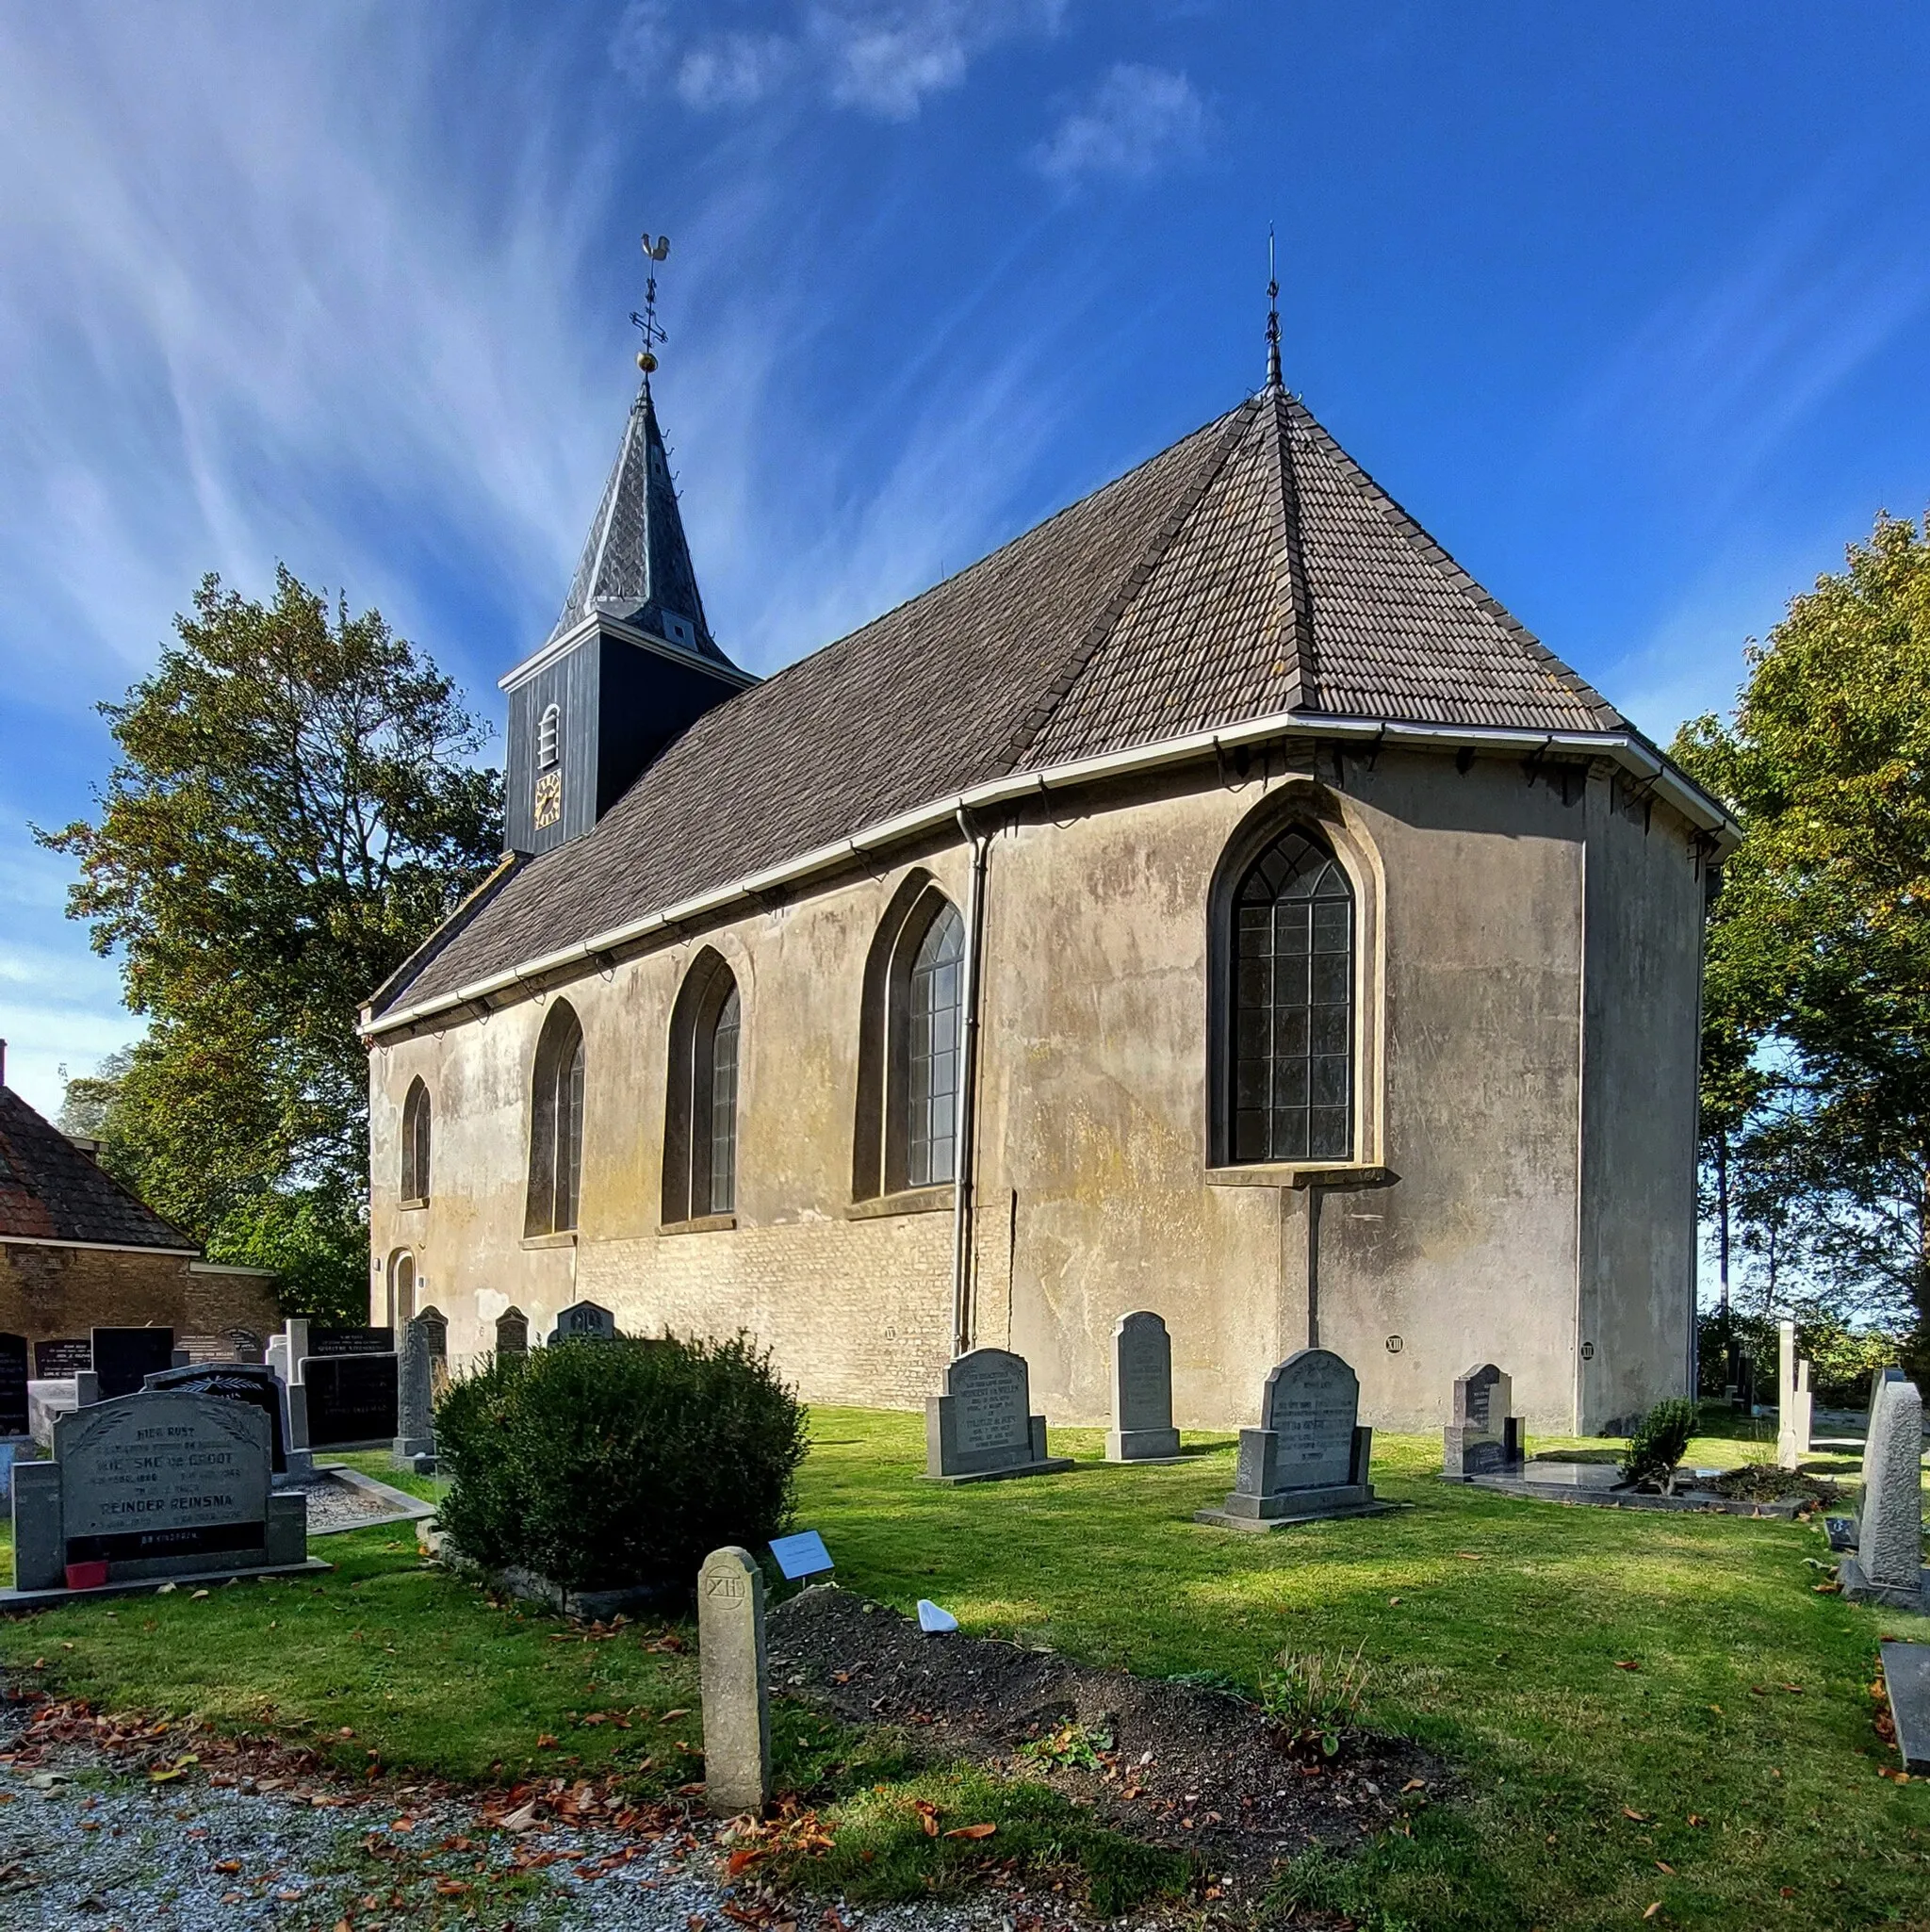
(53, 1293)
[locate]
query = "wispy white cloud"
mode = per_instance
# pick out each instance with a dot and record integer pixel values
(1136, 122)
(881, 57)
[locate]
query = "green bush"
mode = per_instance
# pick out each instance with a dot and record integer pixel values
(605, 1462)
(1659, 1442)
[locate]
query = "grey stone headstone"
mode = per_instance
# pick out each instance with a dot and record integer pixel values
(1309, 1457)
(511, 1333)
(1142, 1427)
(1877, 1377)
(58, 1361)
(1484, 1437)
(295, 1349)
(233, 1381)
(982, 1426)
(124, 1358)
(584, 1318)
(414, 1442)
(736, 1698)
(246, 1345)
(436, 1326)
(13, 1380)
(351, 1400)
(1794, 1404)
(1887, 1566)
(278, 1357)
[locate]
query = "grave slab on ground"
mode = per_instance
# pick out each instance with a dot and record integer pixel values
(1600, 1486)
(1309, 1458)
(1906, 1678)
(981, 1430)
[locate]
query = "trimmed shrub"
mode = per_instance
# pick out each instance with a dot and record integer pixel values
(601, 1463)
(1658, 1443)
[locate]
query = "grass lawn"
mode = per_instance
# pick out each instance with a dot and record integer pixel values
(1499, 1632)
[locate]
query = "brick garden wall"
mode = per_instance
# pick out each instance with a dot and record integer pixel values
(49, 1293)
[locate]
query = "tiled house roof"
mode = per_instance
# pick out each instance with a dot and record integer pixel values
(51, 1191)
(1250, 569)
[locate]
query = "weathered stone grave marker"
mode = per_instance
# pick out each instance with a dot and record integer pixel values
(982, 1428)
(261, 1388)
(436, 1326)
(415, 1440)
(1483, 1439)
(352, 1400)
(13, 1380)
(736, 1699)
(1309, 1457)
(1887, 1566)
(511, 1333)
(1143, 1429)
(1795, 1405)
(584, 1318)
(152, 1486)
(124, 1358)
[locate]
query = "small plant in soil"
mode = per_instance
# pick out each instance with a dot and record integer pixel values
(1311, 1702)
(1071, 1746)
(1657, 1445)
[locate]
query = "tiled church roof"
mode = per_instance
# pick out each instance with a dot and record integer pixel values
(1252, 569)
(51, 1191)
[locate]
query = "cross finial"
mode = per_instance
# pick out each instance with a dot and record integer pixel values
(655, 248)
(1272, 314)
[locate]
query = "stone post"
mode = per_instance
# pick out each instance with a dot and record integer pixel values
(730, 1656)
(415, 1444)
(1787, 1452)
(1887, 1566)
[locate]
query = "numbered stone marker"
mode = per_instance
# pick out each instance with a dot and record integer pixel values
(1143, 1429)
(981, 1427)
(737, 1708)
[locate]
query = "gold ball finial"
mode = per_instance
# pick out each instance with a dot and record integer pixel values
(646, 362)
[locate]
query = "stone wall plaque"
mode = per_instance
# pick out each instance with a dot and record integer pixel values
(982, 1427)
(58, 1361)
(13, 1380)
(124, 1358)
(584, 1318)
(352, 1400)
(1142, 1427)
(350, 1341)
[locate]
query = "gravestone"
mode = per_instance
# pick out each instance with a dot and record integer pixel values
(1143, 1429)
(56, 1361)
(1877, 1377)
(511, 1333)
(350, 1341)
(1309, 1457)
(584, 1318)
(736, 1699)
(262, 1388)
(1906, 1678)
(352, 1400)
(246, 1345)
(1887, 1566)
(13, 1380)
(982, 1428)
(154, 1486)
(436, 1326)
(124, 1358)
(278, 1358)
(414, 1439)
(1793, 1404)
(1483, 1439)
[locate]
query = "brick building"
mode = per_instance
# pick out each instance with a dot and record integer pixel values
(77, 1251)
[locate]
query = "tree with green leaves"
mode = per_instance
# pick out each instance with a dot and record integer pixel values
(1817, 1044)
(294, 806)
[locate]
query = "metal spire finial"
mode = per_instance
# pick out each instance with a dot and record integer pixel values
(655, 248)
(1272, 315)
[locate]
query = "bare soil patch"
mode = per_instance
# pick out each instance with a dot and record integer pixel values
(1176, 1764)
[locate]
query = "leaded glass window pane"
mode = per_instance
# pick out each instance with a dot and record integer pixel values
(1292, 1088)
(721, 1101)
(569, 1138)
(933, 1008)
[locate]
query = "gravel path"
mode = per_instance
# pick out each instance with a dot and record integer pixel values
(90, 1837)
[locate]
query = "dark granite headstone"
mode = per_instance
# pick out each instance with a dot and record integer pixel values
(981, 1427)
(56, 1361)
(1483, 1439)
(351, 1399)
(14, 1380)
(236, 1382)
(436, 1327)
(511, 1333)
(126, 1357)
(351, 1341)
(1308, 1458)
(584, 1318)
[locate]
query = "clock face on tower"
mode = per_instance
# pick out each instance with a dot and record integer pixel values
(549, 799)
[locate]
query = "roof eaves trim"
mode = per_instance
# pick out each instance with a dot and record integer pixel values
(186, 1249)
(1628, 750)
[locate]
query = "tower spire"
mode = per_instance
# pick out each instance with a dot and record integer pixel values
(1272, 315)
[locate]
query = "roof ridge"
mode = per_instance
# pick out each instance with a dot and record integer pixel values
(1299, 595)
(1026, 733)
(1433, 553)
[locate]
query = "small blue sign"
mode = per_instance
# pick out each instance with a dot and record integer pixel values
(803, 1555)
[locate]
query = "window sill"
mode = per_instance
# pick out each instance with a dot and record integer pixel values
(907, 1201)
(421, 1200)
(566, 1237)
(699, 1224)
(1302, 1174)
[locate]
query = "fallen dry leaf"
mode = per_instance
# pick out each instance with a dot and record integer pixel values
(1627, 1664)
(1653, 1910)
(1628, 1811)
(1415, 1784)
(681, 1710)
(545, 1743)
(229, 1865)
(973, 1831)
(1664, 1865)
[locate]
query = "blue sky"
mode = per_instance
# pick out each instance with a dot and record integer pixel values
(1629, 306)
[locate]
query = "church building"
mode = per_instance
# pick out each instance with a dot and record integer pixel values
(1211, 902)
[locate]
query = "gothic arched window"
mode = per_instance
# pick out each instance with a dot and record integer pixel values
(1291, 1044)
(415, 1143)
(700, 1122)
(556, 1125)
(928, 1014)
